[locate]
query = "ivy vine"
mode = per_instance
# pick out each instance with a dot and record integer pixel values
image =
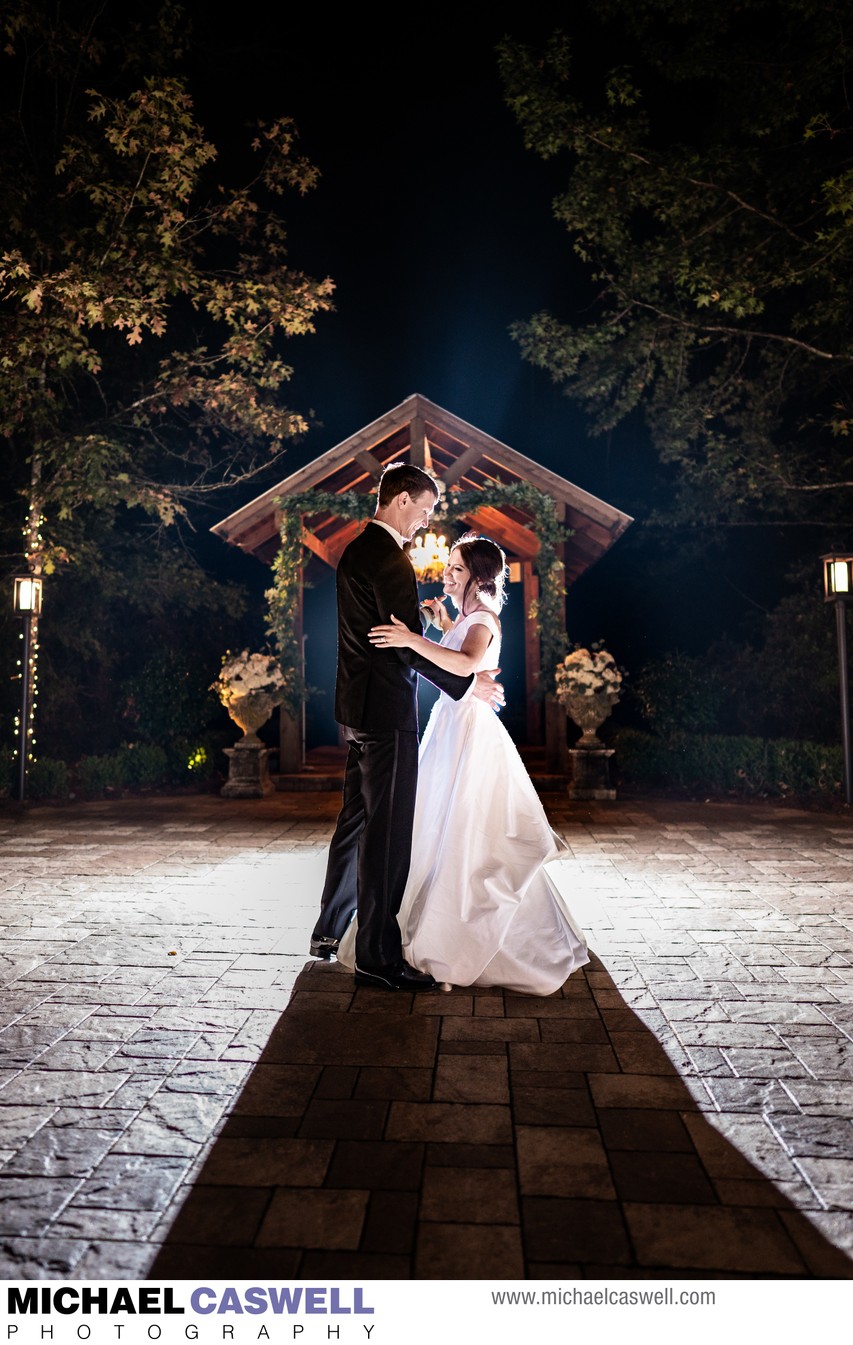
(546, 613)
(283, 597)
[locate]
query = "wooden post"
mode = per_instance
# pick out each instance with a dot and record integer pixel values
(291, 754)
(291, 735)
(561, 556)
(556, 741)
(530, 591)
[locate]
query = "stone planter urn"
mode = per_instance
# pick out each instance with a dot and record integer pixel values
(250, 686)
(588, 686)
(248, 769)
(589, 713)
(590, 759)
(250, 713)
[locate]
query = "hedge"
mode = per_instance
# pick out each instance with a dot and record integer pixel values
(132, 767)
(714, 763)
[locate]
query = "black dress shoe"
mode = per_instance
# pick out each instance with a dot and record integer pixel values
(399, 977)
(324, 946)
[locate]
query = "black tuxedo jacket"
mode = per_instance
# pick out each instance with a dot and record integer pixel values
(376, 688)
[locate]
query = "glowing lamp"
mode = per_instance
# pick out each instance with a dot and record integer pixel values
(429, 555)
(27, 599)
(838, 588)
(837, 577)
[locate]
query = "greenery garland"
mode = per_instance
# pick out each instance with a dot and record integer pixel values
(283, 597)
(546, 613)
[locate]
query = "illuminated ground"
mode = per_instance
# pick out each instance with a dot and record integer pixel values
(683, 1107)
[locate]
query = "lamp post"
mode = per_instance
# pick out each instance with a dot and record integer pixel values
(838, 588)
(27, 604)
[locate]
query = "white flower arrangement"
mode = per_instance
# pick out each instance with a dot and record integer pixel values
(588, 672)
(244, 673)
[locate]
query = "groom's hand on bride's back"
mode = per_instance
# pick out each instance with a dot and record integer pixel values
(488, 689)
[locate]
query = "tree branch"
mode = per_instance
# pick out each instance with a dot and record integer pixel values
(699, 182)
(743, 331)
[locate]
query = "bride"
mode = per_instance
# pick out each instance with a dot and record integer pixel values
(480, 907)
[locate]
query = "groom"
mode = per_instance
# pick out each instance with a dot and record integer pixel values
(376, 704)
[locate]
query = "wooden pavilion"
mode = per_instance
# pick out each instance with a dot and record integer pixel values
(465, 458)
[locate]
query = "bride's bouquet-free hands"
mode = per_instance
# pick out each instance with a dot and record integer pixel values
(435, 613)
(396, 635)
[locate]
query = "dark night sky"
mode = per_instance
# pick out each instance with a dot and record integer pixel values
(436, 225)
(430, 216)
(433, 220)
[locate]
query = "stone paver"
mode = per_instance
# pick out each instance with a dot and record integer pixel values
(148, 950)
(183, 1091)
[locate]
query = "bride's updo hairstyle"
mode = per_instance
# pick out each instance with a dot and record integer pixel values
(488, 567)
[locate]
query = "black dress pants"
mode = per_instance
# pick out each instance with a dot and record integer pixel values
(371, 849)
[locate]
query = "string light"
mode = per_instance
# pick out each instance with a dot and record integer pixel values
(33, 550)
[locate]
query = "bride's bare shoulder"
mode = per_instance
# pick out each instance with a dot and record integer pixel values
(492, 620)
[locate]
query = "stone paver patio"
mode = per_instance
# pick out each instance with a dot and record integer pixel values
(182, 1090)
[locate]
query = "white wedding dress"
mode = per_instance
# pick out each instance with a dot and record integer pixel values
(480, 906)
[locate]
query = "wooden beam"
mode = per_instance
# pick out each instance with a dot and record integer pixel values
(457, 470)
(366, 438)
(417, 442)
(549, 482)
(314, 472)
(264, 504)
(250, 538)
(341, 540)
(581, 544)
(369, 462)
(319, 548)
(597, 525)
(511, 535)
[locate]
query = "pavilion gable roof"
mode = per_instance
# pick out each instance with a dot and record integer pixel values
(463, 456)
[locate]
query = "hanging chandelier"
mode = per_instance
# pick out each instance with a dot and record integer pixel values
(429, 555)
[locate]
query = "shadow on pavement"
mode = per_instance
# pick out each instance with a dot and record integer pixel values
(478, 1134)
